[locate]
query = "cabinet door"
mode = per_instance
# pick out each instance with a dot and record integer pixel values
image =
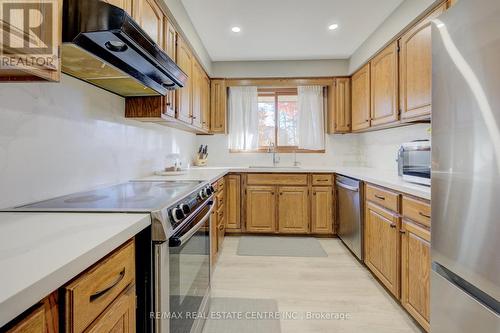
(360, 82)
(384, 86)
(33, 323)
(322, 210)
(196, 84)
(260, 209)
(233, 201)
(185, 62)
(123, 4)
(416, 69)
(119, 317)
(205, 103)
(415, 270)
(293, 209)
(342, 105)
(382, 254)
(150, 17)
(170, 46)
(218, 104)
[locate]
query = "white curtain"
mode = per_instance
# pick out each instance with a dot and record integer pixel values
(311, 121)
(243, 118)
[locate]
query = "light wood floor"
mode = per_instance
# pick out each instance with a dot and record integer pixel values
(337, 283)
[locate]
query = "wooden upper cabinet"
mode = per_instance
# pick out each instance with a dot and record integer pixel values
(415, 272)
(293, 209)
(322, 210)
(184, 95)
(384, 86)
(416, 69)
(170, 43)
(340, 106)
(205, 102)
(123, 4)
(261, 209)
(382, 245)
(360, 98)
(233, 201)
(197, 94)
(150, 17)
(170, 47)
(218, 106)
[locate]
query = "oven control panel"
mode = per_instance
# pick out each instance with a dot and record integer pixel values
(180, 212)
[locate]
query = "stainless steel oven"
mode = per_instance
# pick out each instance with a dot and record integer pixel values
(183, 266)
(414, 162)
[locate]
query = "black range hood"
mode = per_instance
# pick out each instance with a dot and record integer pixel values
(104, 46)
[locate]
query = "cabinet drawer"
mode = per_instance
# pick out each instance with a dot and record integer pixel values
(119, 316)
(383, 197)
(322, 180)
(220, 213)
(416, 210)
(88, 295)
(220, 199)
(277, 179)
(220, 184)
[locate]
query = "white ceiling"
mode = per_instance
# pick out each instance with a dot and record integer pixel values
(285, 29)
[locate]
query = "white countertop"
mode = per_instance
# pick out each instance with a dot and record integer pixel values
(40, 252)
(379, 177)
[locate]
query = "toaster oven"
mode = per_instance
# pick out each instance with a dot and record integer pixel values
(414, 162)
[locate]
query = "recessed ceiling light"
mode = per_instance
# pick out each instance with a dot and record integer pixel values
(333, 26)
(235, 29)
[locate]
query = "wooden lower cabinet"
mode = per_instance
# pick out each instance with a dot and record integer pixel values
(119, 317)
(293, 209)
(322, 210)
(415, 271)
(43, 318)
(261, 209)
(233, 202)
(382, 245)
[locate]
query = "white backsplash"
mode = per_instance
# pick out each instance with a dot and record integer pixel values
(62, 138)
(372, 149)
(379, 149)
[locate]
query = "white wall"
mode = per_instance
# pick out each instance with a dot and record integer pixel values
(286, 68)
(402, 16)
(62, 138)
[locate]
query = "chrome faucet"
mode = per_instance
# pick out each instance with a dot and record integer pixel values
(276, 157)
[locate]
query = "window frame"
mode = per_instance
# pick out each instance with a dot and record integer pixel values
(276, 92)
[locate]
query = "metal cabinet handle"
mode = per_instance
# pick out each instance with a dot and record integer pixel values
(379, 197)
(402, 232)
(393, 225)
(102, 292)
(424, 215)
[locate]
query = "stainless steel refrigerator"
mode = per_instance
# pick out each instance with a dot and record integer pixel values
(465, 276)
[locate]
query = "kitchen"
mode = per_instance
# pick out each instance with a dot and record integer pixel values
(163, 176)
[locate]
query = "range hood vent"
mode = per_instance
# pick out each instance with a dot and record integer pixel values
(104, 46)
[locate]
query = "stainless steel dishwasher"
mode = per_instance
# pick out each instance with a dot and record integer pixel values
(350, 214)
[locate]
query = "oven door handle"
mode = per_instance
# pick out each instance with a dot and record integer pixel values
(179, 241)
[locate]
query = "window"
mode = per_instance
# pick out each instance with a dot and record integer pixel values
(278, 118)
